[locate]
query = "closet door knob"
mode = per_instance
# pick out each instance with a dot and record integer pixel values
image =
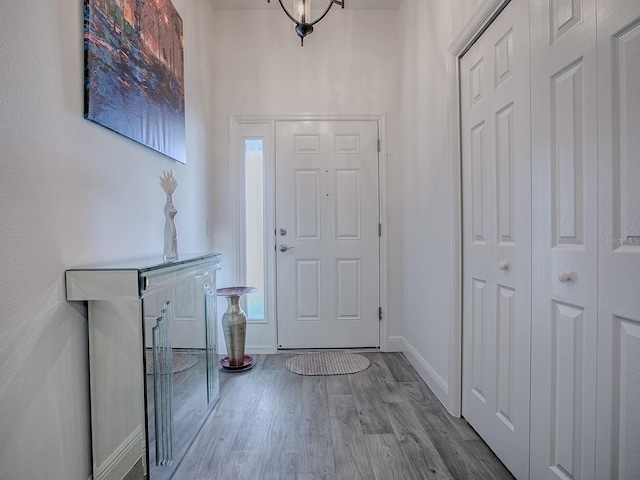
(566, 276)
(504, 265)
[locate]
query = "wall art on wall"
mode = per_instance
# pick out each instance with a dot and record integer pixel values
(134, 71)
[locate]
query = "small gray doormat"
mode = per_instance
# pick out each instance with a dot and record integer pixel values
(180, 361)
(327, 363)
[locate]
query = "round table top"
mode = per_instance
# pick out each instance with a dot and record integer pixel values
(235, 291)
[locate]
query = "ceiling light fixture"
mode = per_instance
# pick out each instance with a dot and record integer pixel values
(300, 14)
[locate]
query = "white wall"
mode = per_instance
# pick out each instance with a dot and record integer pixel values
(349, 65)
(429, 28)
(72, 193)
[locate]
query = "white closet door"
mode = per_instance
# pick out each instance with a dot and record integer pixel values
(618, 416)
(565, 243)
(496, 154)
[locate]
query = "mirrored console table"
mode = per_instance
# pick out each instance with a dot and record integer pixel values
(152, 359)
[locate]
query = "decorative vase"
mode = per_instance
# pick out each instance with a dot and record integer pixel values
(170, 234)
(234, 324)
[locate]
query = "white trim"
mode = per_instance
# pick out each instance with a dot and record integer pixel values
(477, 24)
(269, 234)
(122, 459)
(384, 269)
(257, 128)
(234, 177)
(395, 344)
(455, 247)
(234, 180)
(427, 372)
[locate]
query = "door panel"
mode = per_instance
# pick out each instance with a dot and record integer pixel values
(347, 206)
(564, 216)
(567, 351)
(480, 184)
(307, 291)
(327, 202)
(564, 14)
(505, 329)
(348, 282)
(504, 166)
(618, 453)
(479, 337)
(307, 204)
(618, 417)
(619, 141)
(566, 178)
(496, 167)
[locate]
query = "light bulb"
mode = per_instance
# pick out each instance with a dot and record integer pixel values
(302, 10)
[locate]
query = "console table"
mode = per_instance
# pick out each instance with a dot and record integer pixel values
(152, 359)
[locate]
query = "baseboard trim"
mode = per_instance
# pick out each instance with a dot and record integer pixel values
(394, 344)
(123, 458)
(427, 372)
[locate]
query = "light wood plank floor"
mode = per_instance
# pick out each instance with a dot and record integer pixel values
(380, 424)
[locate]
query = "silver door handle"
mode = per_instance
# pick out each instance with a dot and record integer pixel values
(566, 276)
(504, 265)
(284, 248)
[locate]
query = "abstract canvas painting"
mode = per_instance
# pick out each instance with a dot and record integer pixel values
(134, 71)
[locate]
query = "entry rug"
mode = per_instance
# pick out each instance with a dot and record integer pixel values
(180, 361)
(327, 363)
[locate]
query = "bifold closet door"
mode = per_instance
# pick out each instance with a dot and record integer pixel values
(496, 166)
(565, 240)
(618, 406)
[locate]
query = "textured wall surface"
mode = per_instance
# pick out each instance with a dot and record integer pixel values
(428, 30)
(72, 193)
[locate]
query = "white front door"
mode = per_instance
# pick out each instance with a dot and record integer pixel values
(565, 205)
(618, 398)
(496, 167)
(327, 234)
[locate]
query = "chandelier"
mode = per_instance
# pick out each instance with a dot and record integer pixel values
(300, 14)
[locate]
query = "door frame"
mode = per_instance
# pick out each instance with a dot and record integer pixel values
(485, 14)
(268, 328)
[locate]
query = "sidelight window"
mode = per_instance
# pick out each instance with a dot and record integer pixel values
(254, 225)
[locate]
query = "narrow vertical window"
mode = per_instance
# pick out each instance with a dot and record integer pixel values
(254, 226)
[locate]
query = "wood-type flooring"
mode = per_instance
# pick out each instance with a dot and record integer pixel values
(380, 424)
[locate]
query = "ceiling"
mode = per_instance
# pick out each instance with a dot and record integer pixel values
(262, 4)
